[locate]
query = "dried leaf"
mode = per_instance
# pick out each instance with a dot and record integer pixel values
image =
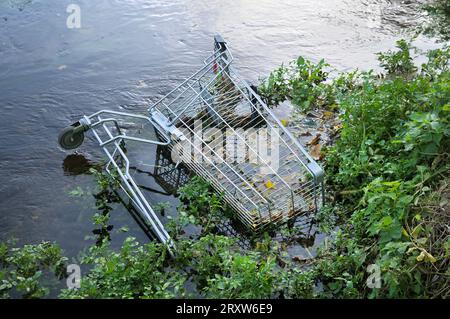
(315, 140)
(315, 152)
(425, 256)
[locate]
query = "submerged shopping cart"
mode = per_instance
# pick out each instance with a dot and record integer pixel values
(215, 124)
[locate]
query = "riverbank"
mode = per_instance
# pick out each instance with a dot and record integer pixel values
(387, 183)
(383, 139)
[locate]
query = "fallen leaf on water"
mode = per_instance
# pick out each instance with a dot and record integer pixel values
(269, 184)
(315, 152)
(315, 140)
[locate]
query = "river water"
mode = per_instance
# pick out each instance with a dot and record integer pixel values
(128, 52)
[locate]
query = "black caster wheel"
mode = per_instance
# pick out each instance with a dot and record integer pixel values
(70, 138)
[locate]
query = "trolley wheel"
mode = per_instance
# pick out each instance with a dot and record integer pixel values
(69, 138)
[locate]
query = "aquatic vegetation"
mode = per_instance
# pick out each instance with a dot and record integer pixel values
(202, 206)
(105, 196)
(161, 207)
(388, 158)
(215, 264)
(25, 272)
(135, 271)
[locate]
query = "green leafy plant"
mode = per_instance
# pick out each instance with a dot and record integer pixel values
(392, 150)
(162, 207)
(202, 205)
(135, 271)
(301, 82)
(398, 62)
(24, 270)
(107, 183)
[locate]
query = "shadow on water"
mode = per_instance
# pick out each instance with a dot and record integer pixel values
(78, 164)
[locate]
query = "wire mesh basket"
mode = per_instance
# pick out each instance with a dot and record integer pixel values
(233, 140)
(215, 124)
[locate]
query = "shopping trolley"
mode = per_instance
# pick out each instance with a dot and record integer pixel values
(217, 126)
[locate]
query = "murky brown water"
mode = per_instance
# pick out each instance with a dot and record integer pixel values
(126, 52)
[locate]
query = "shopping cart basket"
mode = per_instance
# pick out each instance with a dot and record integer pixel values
(219, 128)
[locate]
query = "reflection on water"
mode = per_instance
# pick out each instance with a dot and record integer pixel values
(77, 164)
(126, 54)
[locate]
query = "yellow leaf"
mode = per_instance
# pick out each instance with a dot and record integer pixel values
(421, 256)
(404, 232)
(416, 231)
(429, 257)
(426, 256)
(269, 184)
(284, 122)
(327, 114)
